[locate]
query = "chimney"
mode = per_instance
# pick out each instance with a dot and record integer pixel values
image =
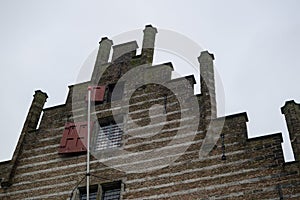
(104, 51)
(207, 81)
(102, 57)
(31, 122)
(291, 111)
(148, 43)
(35, 110)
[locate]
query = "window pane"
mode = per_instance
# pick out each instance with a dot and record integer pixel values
(93, 196)
(93, 192)
(109, 136)
(112, 194)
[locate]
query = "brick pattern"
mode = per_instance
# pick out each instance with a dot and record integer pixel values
(253, 168)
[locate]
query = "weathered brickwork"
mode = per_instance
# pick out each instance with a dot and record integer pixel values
(235, 167)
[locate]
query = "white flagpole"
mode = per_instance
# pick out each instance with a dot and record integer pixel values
(88, 145)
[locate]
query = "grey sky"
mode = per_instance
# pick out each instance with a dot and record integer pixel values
(255, 43)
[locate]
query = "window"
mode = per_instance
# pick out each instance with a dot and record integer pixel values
(111, 191)
(109, 134)
(107, 191)
(93, 193)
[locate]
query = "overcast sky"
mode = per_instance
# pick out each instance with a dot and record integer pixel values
(43, 45)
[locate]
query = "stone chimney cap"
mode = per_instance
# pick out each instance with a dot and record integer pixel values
(206, 53)
(150, 27)
(288, 104)
(105, 38)
(39, 92)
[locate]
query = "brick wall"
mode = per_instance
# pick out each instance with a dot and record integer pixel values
(153, 164)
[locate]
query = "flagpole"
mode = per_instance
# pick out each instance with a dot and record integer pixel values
(88, 145)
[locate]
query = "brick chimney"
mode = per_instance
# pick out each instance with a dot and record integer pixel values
(102, 57)
(291, 111)
(104, 51)
(207, 81)
(31, 122)
(148, 43)
(35, 110)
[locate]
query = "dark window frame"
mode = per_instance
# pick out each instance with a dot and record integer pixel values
(103, 191)
(94, 190)
(111, 190)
